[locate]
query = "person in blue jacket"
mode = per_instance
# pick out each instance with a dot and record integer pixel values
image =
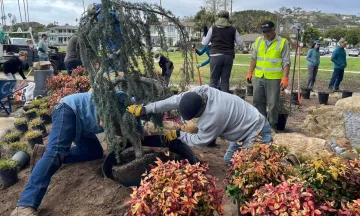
(313, 62)
(74, 119)
(205, 49)
(339, 59)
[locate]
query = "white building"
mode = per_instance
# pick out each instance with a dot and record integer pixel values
(59, 35)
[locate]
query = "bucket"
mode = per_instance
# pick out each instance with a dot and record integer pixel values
(22, 158)
(295, 98)
(40, 77)
(8, 177)
(22, 128)
(282, 119)
(305, 93)
(36, 140)
(346, 94)
(249, 90)
(323, 97)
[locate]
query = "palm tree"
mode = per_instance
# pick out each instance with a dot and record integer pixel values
(26, 20)
(19, 10)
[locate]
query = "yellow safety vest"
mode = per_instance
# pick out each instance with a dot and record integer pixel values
(269, 62)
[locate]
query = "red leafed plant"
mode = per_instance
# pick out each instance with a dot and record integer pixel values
(347, 208)
(57, 82)
(253, 168)
(285, 199)
(177, 188)
(79, 71)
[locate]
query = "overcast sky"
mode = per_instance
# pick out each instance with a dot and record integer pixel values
(66, 11)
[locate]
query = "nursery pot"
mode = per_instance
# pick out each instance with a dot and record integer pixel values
(30, 116)
(282, 118)
(46, 119)
(323, 97)
(22, 158)
(42, 128)
(346, 94)
(8, 177)
(249, 90)
(294, 98)
(36, 140)
(22, 128)
(305, 93)
(157, 141)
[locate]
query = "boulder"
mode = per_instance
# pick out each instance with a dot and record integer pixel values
(351, 103)
(300, 144)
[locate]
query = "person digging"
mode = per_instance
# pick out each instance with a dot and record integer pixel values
(74, 120)
(219, 115)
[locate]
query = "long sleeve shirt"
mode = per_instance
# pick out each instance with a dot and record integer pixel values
(206, 50)
(225, 115)
(285, 54)
(43, 48)
(13, 66)
(313, 57)
(339, 58)
(206, 40)
(165, 64)
(73, 49)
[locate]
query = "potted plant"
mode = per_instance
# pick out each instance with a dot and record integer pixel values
(38, 124)
(30, 114)
(186, 189)
(323, 97)
(35, 104)
(20, 152)
(44, 115)
(12, 137)
(34, 137)
(44, 106)
(284, 112)
(21, 125)
(249, 90)
(8, 172)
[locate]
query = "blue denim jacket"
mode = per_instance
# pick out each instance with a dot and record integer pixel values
(85, 111)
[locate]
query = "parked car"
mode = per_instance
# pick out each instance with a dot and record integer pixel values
(322, 51)
(354, 52)
(331, 49)
(327, 50)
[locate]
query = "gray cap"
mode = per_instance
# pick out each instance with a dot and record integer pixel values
(224, 14)
(342, 40)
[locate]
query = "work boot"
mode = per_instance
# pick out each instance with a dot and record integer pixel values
(212, 144)
(37, 153)
(24, 211)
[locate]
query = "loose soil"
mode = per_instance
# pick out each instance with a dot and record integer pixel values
(80, 189)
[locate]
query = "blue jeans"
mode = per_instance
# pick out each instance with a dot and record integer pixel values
(44, 58)
(59, 151)
(266, 138)
(337, 77)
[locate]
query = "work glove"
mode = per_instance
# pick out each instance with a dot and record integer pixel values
(248, 78)
(284, 82)
(172, 135)
(198, 65)
(193, 46)
(136, 110)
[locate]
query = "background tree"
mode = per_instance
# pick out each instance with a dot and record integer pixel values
(353, 36)
(214, 6)
(336, 33)
(310, 35)
(51, 25)
(13, 20)
(203, 18)
(249, 21)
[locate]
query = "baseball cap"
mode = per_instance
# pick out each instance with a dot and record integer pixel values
(317, 42)
(267, 25)
(190, 105)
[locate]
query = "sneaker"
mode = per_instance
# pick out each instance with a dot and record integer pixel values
(37, 153)
(24, 211)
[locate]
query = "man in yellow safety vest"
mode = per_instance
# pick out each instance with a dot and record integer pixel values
(271, 62)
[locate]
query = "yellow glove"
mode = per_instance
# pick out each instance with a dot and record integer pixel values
(172, 135)
(136, 110)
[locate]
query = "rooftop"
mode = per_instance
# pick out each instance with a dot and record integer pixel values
(63, 27)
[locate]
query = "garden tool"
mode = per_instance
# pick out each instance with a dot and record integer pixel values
(299, 96)
(197, 62)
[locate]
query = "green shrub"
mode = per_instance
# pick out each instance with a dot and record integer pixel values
(35, 122)
(7, 164)
(45, 106)
(12, 137)
(36, 103)
(34, 110)
(18, 146)
(43, 111)
(33, 134)
(20, 121)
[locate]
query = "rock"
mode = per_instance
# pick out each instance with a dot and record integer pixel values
(343, 143)
(350, 155)
(300, 144)
(18, 113)
(188, 126)
(351, 103)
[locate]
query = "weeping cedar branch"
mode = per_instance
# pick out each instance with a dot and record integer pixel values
(133, 56)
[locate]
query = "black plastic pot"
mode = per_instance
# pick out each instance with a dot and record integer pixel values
(30, 116)
(249, 90)
(22, 128)
(294, 98)
(305, 93)
(46, 119)
(42, 128)
(36, 140)
(22, 158)
(282, 119)
(8, 177)
(346, 94)
(175, 147)
(323, 97)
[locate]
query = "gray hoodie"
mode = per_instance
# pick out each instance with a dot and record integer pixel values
(226, 116)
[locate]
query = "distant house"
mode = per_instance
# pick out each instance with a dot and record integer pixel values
(249, 40)
(59, 35)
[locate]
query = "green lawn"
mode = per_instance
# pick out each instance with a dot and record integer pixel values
(239, 72)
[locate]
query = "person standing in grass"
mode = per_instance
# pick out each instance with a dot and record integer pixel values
(205, 49)
(313, 62)
(167, 68)
(339, 59)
